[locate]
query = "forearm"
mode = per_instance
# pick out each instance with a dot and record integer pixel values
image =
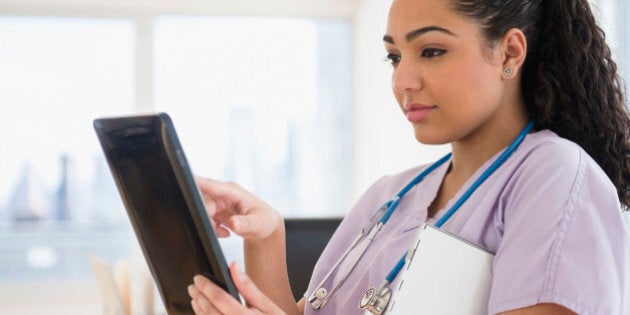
(266, 265)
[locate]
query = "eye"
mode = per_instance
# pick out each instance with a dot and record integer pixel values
(392, 58)
(432, 52)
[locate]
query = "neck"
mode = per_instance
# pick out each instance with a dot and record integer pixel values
(470, 153)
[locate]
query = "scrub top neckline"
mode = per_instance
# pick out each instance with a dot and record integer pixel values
(467, 183)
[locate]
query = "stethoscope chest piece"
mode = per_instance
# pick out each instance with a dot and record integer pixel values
(374, 301)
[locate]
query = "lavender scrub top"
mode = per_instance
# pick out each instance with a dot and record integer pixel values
(549, 213)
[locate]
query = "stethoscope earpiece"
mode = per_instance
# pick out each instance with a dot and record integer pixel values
(321, 293)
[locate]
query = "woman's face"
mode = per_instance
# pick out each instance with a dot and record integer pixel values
(445, 78)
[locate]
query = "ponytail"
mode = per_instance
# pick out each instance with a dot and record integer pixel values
(569, 80)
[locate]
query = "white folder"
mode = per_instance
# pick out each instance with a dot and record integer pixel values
(444, 274)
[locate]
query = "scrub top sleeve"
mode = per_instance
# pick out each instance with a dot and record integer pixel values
(564, 240)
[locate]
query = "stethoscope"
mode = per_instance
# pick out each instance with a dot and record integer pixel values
(375, 300)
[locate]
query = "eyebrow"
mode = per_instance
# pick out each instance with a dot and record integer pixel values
(419, 32)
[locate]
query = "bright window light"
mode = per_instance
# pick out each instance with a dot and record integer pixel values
(58, 202)
(264, 102)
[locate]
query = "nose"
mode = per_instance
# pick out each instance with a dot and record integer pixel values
(405, 78)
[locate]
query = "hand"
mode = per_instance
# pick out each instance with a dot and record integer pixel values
(231, 207)
(208, 298)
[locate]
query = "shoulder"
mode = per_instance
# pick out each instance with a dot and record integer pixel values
(548, 160)
(560, 219)
(552, 181)
(552, 177)
(545, 148)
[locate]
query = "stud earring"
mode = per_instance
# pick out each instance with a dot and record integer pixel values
(507, 72)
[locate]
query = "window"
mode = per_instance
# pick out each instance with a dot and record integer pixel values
(264, 102)
(57, 200)
(271, 114)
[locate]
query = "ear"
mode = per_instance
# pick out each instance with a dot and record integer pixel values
(513, 51)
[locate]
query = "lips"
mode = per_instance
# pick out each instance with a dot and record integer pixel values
(417, 112)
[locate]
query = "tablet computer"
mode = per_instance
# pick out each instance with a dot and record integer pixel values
(164, 205)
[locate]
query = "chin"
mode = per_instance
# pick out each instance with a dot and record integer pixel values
(430, 137)
(430, 140)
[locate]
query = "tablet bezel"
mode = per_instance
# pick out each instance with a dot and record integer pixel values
(108, 128)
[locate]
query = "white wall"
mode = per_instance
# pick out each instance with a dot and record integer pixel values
(612, 17)
(302, 8)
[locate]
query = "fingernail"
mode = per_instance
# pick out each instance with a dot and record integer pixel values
(197, 279)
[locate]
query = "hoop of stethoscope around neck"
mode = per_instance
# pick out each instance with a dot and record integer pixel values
(375, 300)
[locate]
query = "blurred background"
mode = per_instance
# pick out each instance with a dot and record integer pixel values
(289, 98)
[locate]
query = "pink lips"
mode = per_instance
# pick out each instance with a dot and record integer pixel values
(417, 112)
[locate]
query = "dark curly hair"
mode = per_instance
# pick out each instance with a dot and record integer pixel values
(569, 80)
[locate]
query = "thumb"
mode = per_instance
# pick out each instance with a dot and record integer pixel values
(250, 292)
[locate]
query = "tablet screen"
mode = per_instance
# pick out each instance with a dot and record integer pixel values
(164, 205)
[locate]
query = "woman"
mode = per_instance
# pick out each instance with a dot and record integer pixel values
(473, 73)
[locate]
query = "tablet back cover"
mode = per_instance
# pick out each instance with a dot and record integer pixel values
(164, 205)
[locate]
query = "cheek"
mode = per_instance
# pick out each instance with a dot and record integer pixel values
(481, 74)
(471, 84)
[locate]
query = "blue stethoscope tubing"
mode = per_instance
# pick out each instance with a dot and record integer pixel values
(493, 167)
(392, 205)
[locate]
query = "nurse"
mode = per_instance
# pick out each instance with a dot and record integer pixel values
(473, 73)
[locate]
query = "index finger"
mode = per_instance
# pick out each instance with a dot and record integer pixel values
(217, 190)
